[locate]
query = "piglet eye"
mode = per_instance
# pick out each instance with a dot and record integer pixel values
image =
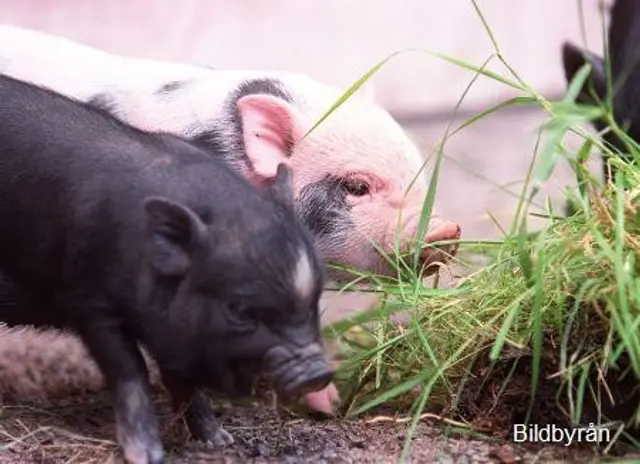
(241, 313)
(356, 187)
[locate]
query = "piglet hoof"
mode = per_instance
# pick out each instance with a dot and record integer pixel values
(136, 423)
(220, 439)
(132, 456)
(203, 425)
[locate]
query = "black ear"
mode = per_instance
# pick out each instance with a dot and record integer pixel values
(282, 189)
(624, 36)
(573, 58)
(175, 232)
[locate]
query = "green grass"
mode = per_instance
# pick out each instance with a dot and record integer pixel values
(561, 304)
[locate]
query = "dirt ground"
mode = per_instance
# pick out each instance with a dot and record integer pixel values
(53, 409)
(56, 412)
(81, 431)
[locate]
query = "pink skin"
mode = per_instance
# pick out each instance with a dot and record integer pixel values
(270, 125)
(324, 401)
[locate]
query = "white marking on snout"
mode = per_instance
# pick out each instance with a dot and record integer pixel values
(303, 277)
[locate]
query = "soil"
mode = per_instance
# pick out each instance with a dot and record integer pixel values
(55, 410)
(511, 375)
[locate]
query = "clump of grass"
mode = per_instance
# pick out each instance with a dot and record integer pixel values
(563, 281)
(548, 331)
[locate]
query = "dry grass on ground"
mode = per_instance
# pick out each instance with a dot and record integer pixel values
(54, 411)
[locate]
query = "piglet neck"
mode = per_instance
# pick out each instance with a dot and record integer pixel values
(162, 331)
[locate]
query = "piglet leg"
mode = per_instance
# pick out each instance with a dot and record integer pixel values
(126, 375)
(198, 412)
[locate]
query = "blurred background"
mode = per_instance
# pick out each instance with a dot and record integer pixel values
(336, 41)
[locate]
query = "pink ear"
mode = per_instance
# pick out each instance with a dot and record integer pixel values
(270, 128)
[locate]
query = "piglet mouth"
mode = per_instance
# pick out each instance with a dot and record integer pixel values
(297, 371)
(431, 255)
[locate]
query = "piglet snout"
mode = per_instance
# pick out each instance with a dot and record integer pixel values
(297, 371)
(442, 232)
(445, 231)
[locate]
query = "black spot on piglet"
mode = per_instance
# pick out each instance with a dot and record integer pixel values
(323, 206)
(170, 87)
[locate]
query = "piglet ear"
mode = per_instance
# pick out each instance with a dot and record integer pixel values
(270, 128)
(281, 189)
(573, 58)
(175, 232)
